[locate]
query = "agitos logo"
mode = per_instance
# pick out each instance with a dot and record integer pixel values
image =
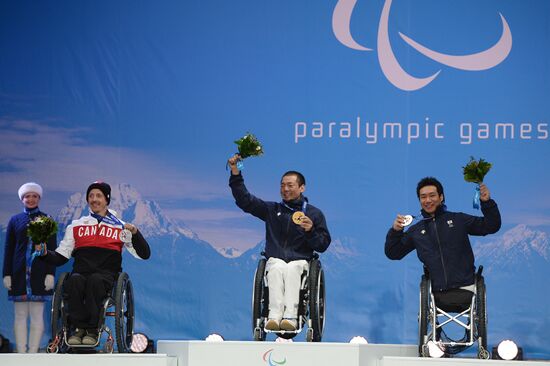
(268, 358)
(391, 68)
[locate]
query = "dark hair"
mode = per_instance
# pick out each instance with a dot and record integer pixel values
(429, 181)
(299, 177)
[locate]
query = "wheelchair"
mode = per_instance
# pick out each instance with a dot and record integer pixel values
(119, 304)
(311, 304)
(467, 310)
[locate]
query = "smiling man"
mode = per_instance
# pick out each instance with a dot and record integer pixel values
(95, 242)
(295, 230)
(441, 237)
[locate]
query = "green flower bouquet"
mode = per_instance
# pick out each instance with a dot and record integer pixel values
(39, 230)
(248, 146)
(475, 172)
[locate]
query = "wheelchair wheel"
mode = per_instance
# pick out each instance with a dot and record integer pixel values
(124, 310)
(316, 301)
(423, 314)
(481, 318)
(57, 313)
(258, 305)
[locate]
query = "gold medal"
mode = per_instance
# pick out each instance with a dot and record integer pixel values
(297, 217)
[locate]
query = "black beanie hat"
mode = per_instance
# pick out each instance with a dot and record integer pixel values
(103, 187)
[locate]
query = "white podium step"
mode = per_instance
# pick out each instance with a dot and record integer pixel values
(44, 359)
(195, 353)
(416, 361)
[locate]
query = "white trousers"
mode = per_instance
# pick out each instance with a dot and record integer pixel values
(22, 311)
(284, 281)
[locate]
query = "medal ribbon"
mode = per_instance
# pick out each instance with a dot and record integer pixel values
(304, 206)
(109, 219)
(475, 203)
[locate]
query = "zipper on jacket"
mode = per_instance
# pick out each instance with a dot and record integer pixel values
(440, 252)
(286, 238)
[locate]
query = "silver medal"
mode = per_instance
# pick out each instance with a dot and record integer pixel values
(126, 236)
(407, 220)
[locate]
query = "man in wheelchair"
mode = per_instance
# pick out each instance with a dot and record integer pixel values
(95, 241)
(295, 230)
(441, 240)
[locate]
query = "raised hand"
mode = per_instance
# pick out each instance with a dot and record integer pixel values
(484, 193)
(232, 162)
(399, 223)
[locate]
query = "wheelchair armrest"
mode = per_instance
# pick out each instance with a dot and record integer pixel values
(479, 271)
(426, 271)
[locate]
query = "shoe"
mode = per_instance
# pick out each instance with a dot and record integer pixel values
(90, 339)
(76, 338)
(289, 324)
(272, 324)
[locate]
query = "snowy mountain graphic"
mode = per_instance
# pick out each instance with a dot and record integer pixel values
(189, 289)
(516, 269)
(229, 252)
(131, 207)
(516, 249)
(178, 290)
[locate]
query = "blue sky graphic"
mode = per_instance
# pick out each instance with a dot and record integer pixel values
(154, 94)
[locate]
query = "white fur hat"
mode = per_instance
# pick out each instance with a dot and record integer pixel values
(29, 187)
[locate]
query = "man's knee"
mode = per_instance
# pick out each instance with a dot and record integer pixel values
(298, 267)
(275, 267)
(75, 281)
(97, 282)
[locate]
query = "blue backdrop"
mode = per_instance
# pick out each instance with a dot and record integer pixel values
(364, 97)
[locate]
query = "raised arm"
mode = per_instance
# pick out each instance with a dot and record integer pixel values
(244, 199)
(490, 222)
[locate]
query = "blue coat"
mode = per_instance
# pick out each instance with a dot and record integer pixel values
(442, 243)
(25, 285)
(283, 238)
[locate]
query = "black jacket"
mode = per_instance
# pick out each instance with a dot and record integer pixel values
(442, 243)
(283, 238)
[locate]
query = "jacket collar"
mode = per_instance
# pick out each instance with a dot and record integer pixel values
(438, 212)
(296, 204)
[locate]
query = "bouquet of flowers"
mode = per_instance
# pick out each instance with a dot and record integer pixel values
(475, 171)
(248, 146)
(41, 228)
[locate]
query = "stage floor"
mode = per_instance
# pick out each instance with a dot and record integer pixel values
(193, 353)
(201, 353)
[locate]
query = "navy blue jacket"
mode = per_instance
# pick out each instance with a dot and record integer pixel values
(283, 238)
(442, 243)
(16, 253)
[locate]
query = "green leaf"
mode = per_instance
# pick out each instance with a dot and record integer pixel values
(249, 146)
(475, 171)
(41, 228)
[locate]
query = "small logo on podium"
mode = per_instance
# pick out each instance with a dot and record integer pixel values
(270, 359)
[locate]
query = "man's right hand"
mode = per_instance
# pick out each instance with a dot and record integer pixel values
(39, 248)
(232, 162)
(398, 224)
